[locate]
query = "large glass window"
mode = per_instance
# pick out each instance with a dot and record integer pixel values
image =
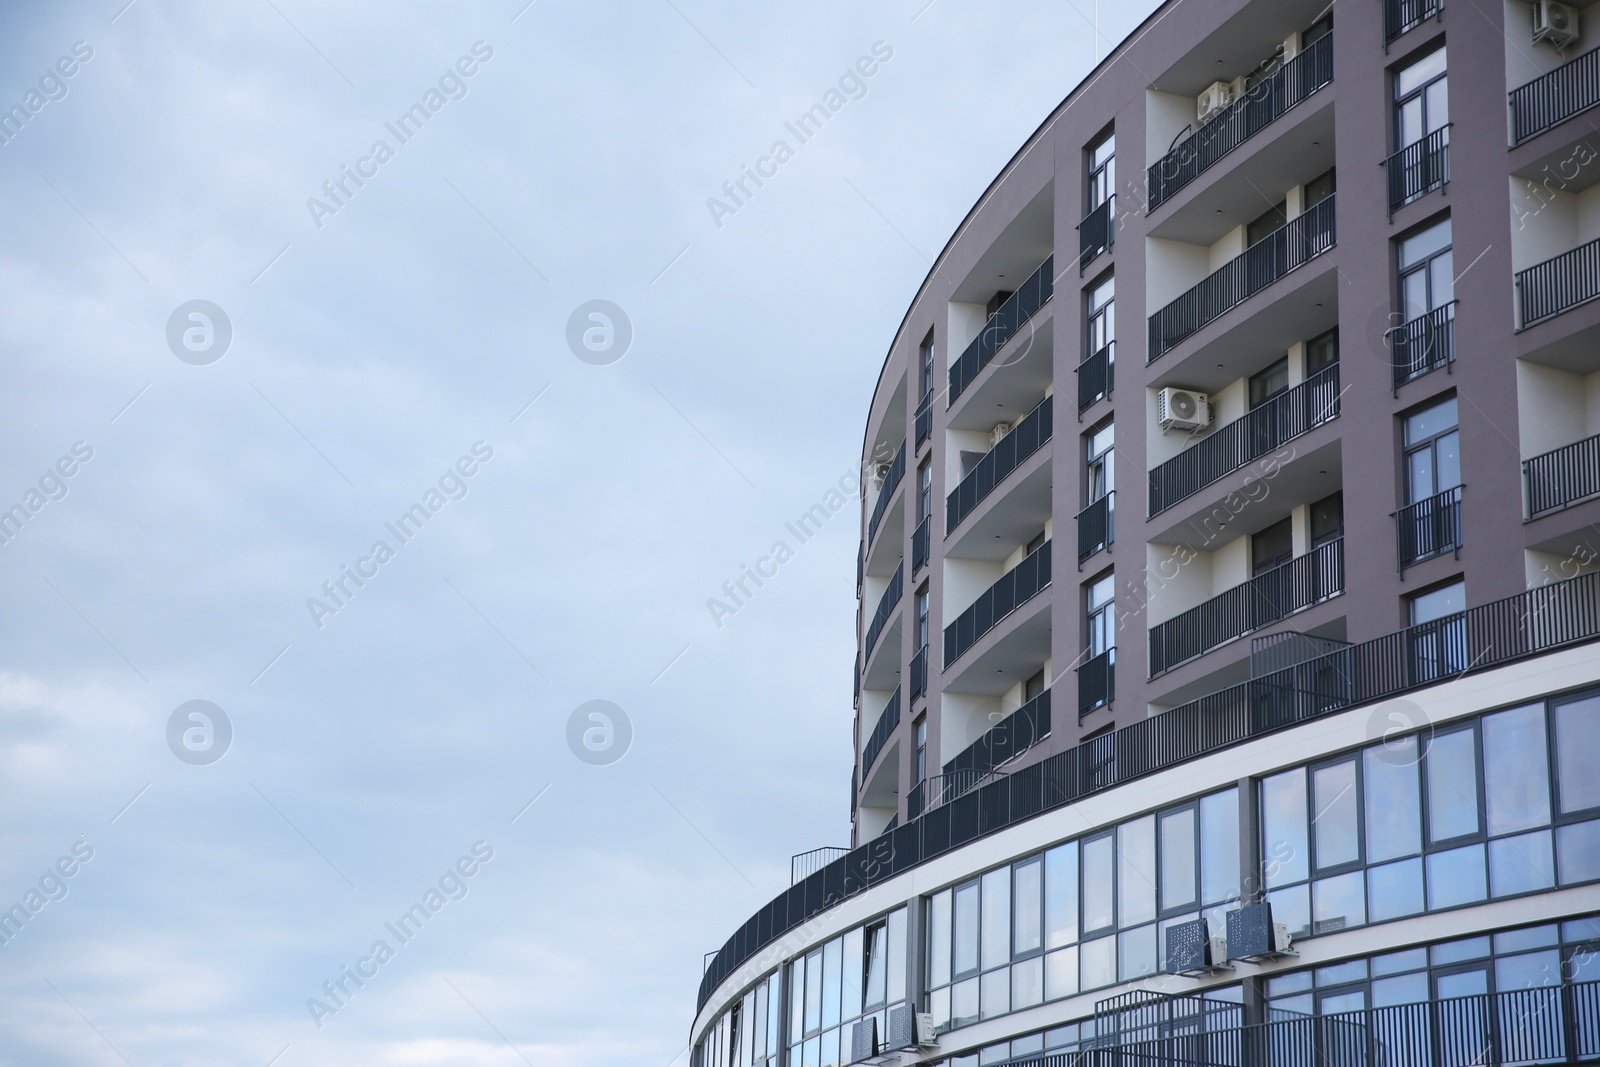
(1427, 274)
(1102, 170)
(1421, 98)
(857, 975)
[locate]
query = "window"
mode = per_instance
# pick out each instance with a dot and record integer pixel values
(1095, 676)
(919, 765)
(1269, 383)
(925, 363)
(1101, 328)
(1263, 225)
(1102, 170)
(858, 974)
(1430, 524)
(1097, 373)
(1100, 471)
(1327, 520)
(1272, 547)
(1437, 632)
(922, 618)
(1427, 273)
(1421, 99)
(924, 491)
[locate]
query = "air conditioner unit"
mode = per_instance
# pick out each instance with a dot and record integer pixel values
(999, 432)
(1214, 101)
(927, 1034)
(1182, 409)
(880, 472)
(1554, 23)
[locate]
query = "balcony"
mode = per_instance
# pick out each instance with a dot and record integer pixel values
(1096, 377)
(1429, 528)
(1401, 16)
(1564, 614)
(1418, 169)
(920, 546)
(1004, 741)
(1291, 245)
(1559, 284)
(891, 482)
(1223, 451)
(1097, 232)
(1423, 345)
(1013, 589)
(1562, 477)
(888, 719)
(886, 606)
(1247, 116)
(1262, 601)
(1026, 438)
(1553, 98)
(1097, 682)
(1096, 527)
(1018, 308)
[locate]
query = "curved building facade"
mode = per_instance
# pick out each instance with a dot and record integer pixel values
(1292, 753)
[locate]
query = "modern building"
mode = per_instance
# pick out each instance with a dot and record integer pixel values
(1293, 754)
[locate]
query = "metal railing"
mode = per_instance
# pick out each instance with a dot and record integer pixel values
(1013, 589)
(888, 719)
(1424, 344)
(1260, 106)
(1097, 528)
(1429, 527)
(1291, 245)
(920, 545)
(924, 419)
(1097, 232)
(805, 864)
(1562, 477)
(1559, 284)
(1096, 376)
(886, 606)
(1005, 740)
(1559, 615)
(1025, 438)
(941, 789)
(1017, 309)
(1400, 16)
(1418, 169)
(1549, 1024)
(891, 482)
(1224, 450)
(1097, 682)
(919, 673)
(1247, 607)
(1553, 98)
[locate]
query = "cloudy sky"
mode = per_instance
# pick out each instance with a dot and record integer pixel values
(181, 479)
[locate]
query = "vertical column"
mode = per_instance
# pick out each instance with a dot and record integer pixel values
(1251, 887)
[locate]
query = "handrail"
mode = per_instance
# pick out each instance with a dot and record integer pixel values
(1418, 169)
(1551, 617)
(1025, 438)
(1562, 476)
(1005, 740)
(1009, 592)
(1424, 344)
(1400, 16)
(1097, 232)
(805, 864)
(1097, 376)
(891, 482)
(886, 605)
(1009, 317)
(1290, 246)
(1097, 526)
(888, 719)
(1559, 284)
(1554, 97)
(1429, 527)
(1265, 429)
(1247, 607)
(1260, 106)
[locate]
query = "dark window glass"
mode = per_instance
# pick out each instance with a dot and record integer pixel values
(1272, 219)
(1269, 383)
(1272, 547)
(1327, 519)
(1322, 352)
(1319, 189)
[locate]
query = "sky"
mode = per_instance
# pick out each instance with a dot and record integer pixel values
(383, 385)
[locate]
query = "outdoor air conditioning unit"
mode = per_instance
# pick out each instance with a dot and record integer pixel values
(880, 472)
(1214, 101)
(1182, 409)
(998, 433)
(1554, 23)
(910, 1029)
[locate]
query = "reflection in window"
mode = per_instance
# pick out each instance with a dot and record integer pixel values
(1452, 768)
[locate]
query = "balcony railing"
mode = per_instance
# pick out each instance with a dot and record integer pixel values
(1097, 682)
(1553, 98)
(1418, 169)
(1025, 438)
(1559, 284)
(1556, 1023)
(1013, 589)
(1004, 741)
(1097, 526)
(1261, 601)
(1563, 476)
(1260, 106)
(941, 789)
(888, 719)
(1429, 527)
(920, 546)
(1097, 232)
(1017, 309)
(1275, 255)
(1399, 16)
(805, 864)
(1559, 615)
(919, 673)
(924, 419)
(891, 482)
(1096, 377)
(1255, 434)
(1424, 344)
(886, 606)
